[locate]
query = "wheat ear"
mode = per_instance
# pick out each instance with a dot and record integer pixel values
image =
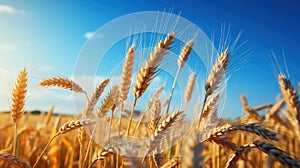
(108, 102)
(126, 80)
(13, 160)
(251, 127)
(183, 56)
(155, 111)
(232, 161)
(101, 156)
(290, 96)
(95, 97)
(18, 103)
(210, 107)
(215, 77)
(65, 128)
(174, 162)
(165, 125)
(189, 87)
(267, 148)
(63, 83)
(127, 74)
(148, 71)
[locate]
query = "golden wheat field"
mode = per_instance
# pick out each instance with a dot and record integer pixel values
(48, 140)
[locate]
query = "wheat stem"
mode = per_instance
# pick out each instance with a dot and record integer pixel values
(131, 115)
(46, 147)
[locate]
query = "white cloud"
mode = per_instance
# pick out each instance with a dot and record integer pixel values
(7, 47)
(89, 35)
(7, 9)
(10, 10)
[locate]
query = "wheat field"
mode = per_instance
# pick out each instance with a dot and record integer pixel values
(48, 140)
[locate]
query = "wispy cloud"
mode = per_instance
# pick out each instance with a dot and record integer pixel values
(46, 68)
(89, 35)
(10, 10)
(7, 47)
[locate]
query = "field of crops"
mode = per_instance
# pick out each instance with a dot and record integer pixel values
(47, 140)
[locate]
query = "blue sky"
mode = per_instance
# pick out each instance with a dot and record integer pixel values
(46, 37)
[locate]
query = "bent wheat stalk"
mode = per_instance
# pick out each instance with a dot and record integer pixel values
(63, 83)
(267, 148)
(65, 128)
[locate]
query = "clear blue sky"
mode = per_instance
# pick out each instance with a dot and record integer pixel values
(46, 37)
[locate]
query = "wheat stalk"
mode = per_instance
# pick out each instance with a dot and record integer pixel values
(95, 97)
(49, 115)
(215, 77)
(251, 127)
(291, 98)
(18, 97)
(250, 112)
(18, 103)
(63, 83)
(65, 128)
(101, 156)
(217, 73)
(126, 80)
(267, 148)
(210, 107)
(13, 160)
(189, 150)
(183, 56)
(108, 102)
(231, 162)
(148, 71)
(155, 111)
(127, 74)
